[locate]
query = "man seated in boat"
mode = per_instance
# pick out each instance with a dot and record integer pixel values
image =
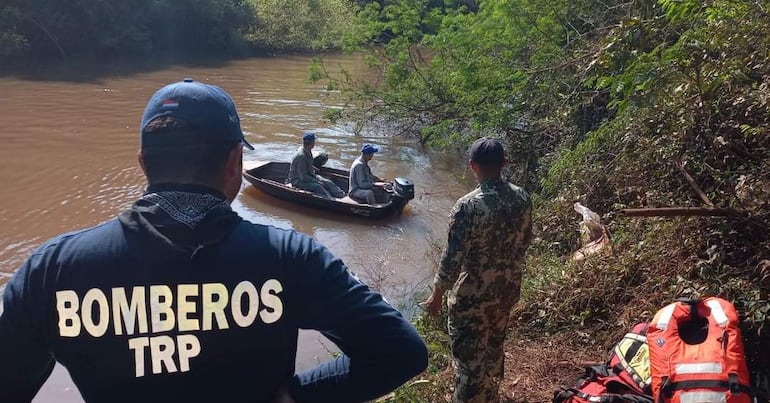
(302, 173)
(362, 182)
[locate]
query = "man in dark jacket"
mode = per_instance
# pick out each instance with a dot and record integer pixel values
(179, 299)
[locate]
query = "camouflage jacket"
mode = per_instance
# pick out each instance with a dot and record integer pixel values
(490, 229)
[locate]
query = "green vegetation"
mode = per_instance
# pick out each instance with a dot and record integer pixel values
(52, 29)
(603, 102)
(300, 24)
(606, 103)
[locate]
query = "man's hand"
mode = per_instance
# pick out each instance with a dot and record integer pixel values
(380, 184)
(433, 303)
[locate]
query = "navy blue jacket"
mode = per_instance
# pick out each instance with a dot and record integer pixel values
(179, 299)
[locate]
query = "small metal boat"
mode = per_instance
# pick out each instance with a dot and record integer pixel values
(271, 178)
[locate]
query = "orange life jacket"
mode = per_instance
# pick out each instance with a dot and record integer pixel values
(702, 371)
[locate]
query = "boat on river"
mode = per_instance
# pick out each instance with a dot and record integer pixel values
(271, 177)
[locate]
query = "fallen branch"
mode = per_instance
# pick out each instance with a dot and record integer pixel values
(693, 184)
(679, 211)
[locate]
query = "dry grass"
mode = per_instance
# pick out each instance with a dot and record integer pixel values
(572, 314)
(534, 369)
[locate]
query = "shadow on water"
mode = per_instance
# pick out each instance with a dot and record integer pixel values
(94, 70)
(278, 207)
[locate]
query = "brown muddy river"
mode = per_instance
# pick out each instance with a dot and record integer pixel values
(68, 161)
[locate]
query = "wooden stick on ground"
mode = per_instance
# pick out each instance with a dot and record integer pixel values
(679, 211)
(691, 181)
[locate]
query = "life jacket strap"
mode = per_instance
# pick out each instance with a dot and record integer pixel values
(735, 388)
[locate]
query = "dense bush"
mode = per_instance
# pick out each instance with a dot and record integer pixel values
(612, 104)
(40, 29)
(86, 28)
(300, 24)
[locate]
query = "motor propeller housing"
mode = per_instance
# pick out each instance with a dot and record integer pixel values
(404, 188)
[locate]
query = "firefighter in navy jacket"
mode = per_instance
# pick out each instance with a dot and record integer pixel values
(180, 300)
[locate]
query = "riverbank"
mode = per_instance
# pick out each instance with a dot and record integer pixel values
(96, 69)
(666, 104)
(534, 368)
(47, 30)
(572, 313)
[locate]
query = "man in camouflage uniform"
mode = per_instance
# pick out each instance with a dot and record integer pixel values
(490, 230)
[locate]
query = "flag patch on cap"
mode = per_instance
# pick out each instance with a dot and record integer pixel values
(170, 103)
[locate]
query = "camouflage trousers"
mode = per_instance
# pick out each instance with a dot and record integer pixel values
(477, 337)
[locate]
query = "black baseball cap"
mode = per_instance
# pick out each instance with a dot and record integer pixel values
(208, 110)
(487, 151)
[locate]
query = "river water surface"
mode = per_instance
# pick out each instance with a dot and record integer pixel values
(68, 144)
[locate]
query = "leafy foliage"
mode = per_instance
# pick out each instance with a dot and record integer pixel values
(692, 92)
(168, 28)
(449, 75)
(606, 103)
(300, 24)
(104, 28)
(11, 42)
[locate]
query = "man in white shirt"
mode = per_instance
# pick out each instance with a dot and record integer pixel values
(362, 182)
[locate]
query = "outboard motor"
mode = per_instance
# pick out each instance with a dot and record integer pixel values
(320, 160)
(404, 188)
(403, 191)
